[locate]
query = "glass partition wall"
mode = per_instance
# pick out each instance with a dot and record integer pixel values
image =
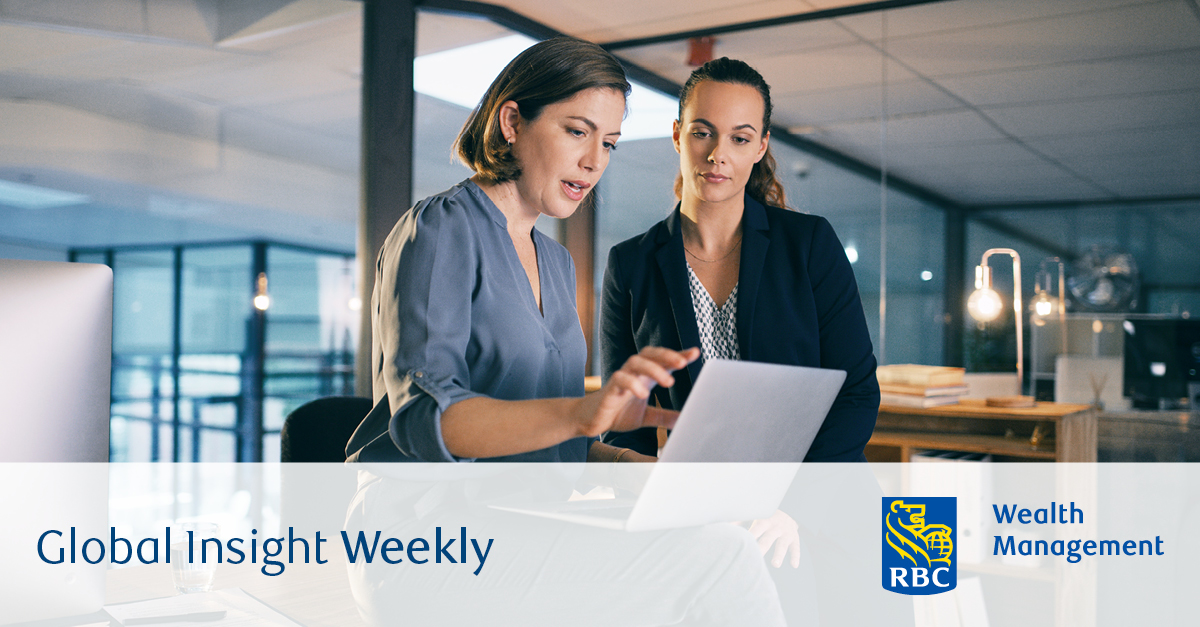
(987, 137)
(204, 369)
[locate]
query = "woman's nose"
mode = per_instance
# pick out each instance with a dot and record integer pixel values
(593, 158)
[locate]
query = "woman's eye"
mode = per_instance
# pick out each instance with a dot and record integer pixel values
(610, 146)
(576, 132)
(741, 140)
(700, 134)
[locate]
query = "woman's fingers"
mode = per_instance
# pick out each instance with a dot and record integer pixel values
(621, 405)
(766, 539)
(623, 382)
(648, 368)
(778, 535)
(656, 364)
(670, 359)
(794, 554)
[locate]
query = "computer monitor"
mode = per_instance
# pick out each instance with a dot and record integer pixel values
(1162, 363)
(56, 334)
(56, 330)
(55, 359)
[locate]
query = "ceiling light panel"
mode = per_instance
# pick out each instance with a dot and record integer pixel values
(462, 75)
(26, 196)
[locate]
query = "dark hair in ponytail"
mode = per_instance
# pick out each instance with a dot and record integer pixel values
(763, 185)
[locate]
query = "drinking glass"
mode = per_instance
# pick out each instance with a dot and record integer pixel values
(194, 576)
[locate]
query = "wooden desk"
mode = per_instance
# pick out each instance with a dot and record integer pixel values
(1067, 433)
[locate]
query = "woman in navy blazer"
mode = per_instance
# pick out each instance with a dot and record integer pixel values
(792, 286)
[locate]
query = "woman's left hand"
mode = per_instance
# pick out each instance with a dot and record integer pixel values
(781, 531)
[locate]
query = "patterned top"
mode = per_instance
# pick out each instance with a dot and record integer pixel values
(718, 325)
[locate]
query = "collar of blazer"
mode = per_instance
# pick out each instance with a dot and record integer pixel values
(673, 264)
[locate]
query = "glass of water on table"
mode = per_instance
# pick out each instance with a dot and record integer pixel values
(187, 541)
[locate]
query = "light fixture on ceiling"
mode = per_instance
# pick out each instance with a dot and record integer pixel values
(25, 196)
(985, 305)
(262, 300)
(462, 75)
(700, 50)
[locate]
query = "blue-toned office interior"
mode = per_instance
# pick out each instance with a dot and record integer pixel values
(237, 164)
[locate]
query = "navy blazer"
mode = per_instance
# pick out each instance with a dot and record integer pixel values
(798, 304)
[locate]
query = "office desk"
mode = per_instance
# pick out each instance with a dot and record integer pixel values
(310, 594)
(1065, 432)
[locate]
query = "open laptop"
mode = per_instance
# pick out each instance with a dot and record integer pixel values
(761, 417)
(56, 340)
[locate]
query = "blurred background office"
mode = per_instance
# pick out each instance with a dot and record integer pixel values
(234, 161)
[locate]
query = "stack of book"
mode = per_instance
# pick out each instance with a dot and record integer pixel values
(912, 385)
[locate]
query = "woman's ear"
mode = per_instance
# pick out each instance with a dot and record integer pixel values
(510, 120)
(762, 149)
(675, 134)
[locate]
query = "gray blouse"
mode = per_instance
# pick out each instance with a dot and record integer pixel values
(454, 317)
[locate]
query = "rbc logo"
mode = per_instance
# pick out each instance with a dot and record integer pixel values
(918, 544)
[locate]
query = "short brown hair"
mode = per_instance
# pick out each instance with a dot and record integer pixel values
(547, 72)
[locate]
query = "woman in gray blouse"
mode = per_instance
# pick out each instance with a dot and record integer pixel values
(477, 350)
(478, 355)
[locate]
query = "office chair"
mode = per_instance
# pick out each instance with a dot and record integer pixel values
(314, 495)
(318, 430)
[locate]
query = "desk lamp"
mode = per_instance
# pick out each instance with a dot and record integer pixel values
(984, 305)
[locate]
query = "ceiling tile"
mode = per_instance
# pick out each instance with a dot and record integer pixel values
(961, 14)
(626, 19)
(240, 20)
(23, 47)
(1086, 79)
(334, 114)
(187, 21)
(333, 33)
(114, 15)
(1119, 32)
(1179, 143)
(135, 61)
(667, 60)
(253, 131)
(861, 103)
(962, 127)
(998, 154)
(258, 81)
(1099, 115)
(1143, 177)
(782, 40)
(825, 69)
(437, 31)
(983, 184)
